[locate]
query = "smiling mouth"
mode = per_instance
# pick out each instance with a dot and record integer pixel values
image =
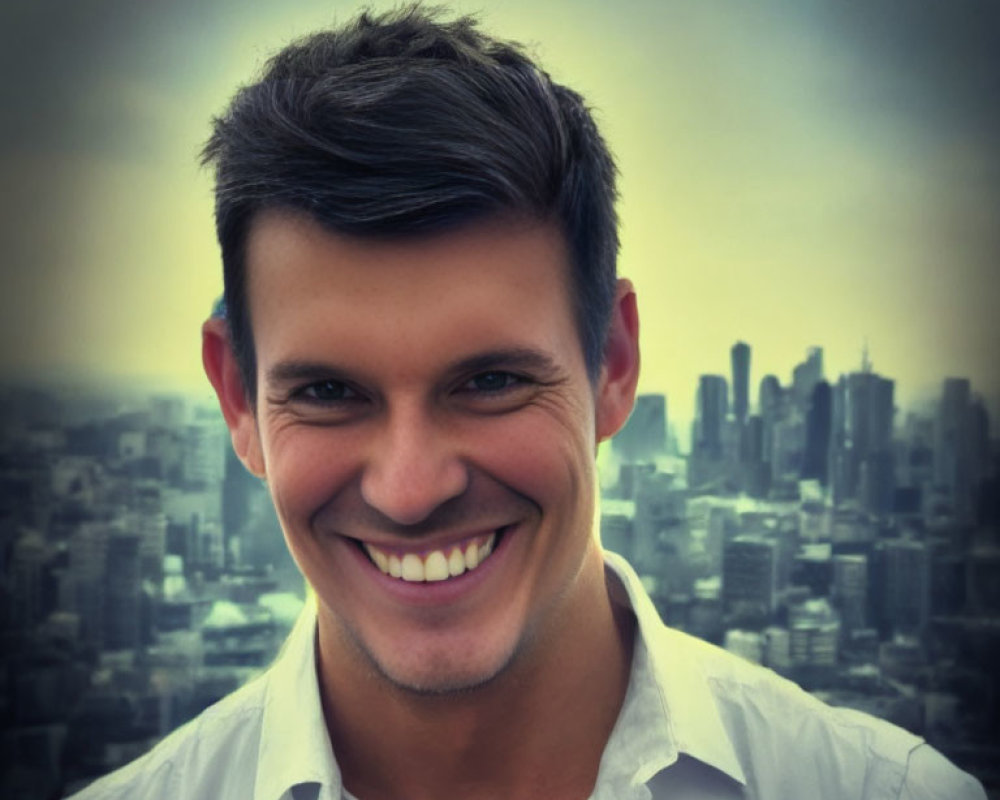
(435, 565)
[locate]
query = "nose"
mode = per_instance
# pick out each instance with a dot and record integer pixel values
(413, 468)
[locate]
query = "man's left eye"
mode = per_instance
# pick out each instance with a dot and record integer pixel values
(492, 382)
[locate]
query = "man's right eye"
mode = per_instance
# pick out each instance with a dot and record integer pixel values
(328, 392)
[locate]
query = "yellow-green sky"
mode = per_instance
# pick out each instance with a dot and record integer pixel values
(792, 174)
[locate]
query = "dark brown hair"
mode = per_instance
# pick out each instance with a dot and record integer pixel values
(401, 124)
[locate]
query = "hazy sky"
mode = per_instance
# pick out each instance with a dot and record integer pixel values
(792, 174)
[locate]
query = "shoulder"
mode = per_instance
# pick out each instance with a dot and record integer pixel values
(791, 744)
(194, 761)
(931, 776)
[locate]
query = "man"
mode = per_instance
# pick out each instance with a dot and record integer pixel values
(425, 341)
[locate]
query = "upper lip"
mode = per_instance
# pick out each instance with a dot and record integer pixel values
(427, 544)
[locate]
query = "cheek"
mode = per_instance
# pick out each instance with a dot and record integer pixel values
(304, 467)
(539, 456)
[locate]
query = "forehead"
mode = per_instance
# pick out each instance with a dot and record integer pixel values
(309, 289)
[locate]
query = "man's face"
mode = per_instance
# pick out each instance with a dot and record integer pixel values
(423, 409)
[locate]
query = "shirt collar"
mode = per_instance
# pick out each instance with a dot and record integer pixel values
(294, 743)
(669, 707)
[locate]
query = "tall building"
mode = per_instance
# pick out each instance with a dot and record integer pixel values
(146, 518)
(203, 463)
(979, 435)
(740, 358)
(984, 581)
(711, 411)
(914, 463)
(27, 580)
(819, 419)
(711, 439)
(862, 440)
(953, 446)
(750, 575)
(904, 586)
(645, 434)
(660, 529)
(616, 527)
(850, 589)
(755, 472)
(87, 571)
(806, 375)
(770, 399)
(122, 610)
(238, 488)
(788, 444)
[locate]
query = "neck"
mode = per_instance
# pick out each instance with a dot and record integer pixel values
(536, 730)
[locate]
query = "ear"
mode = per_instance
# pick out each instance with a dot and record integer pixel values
(224, 374)
(620, 369)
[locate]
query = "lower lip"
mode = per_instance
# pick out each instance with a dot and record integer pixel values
(436, 593)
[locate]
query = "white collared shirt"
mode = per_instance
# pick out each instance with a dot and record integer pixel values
(697, 724)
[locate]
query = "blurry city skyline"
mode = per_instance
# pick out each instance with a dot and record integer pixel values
(809, 526)
(680, 405)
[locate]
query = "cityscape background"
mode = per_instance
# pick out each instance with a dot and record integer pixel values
(792, 174)
(812, 527)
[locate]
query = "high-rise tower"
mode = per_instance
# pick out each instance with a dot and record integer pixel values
(819, 418)
(712, 408)
(952, 446)
(740, 358)
(645, 434)
(862, 439)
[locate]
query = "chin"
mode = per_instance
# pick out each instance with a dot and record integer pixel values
(440, 685)
(432, 671)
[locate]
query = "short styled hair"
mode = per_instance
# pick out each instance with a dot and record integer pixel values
(401, 125)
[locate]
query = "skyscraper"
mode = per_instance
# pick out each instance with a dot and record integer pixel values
(953, 445)
(26, 575)
(862, 440)
(712, 408)
(711, 439)
(905, 586)
(806, 375)
(740, 358)
(645, 434)
(819, 418)
(769, 405)
(755, 472)
(122, 613)
(850, 589)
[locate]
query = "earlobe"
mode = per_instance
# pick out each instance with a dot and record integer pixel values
(620, 370)
(224, 374)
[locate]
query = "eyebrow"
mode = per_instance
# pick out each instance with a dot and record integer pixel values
(515, 358)
(302, 372)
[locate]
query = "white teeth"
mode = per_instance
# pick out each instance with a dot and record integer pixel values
(435, 565)
(413, 568)
(380, 558)
(471, 556)
(486, 548)
(456, 562)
